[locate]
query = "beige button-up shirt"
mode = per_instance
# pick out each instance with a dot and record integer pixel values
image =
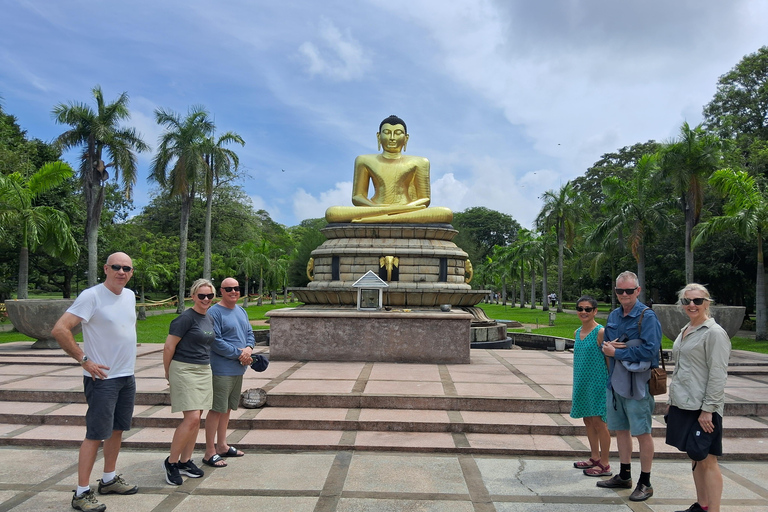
(701, 368)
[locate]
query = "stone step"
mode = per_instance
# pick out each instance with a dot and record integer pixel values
(345, 419)
(533, 444)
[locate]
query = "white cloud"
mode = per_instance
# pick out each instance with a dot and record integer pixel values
(307, 206)
(338, 56)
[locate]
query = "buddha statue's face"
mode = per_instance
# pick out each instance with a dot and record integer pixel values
(392, 137)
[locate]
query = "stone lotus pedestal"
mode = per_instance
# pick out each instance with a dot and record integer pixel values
(413, 328)
(673, 319)
(36, 318)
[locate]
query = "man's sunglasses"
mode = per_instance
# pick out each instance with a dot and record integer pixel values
(203, 296)
(628, 291)
(118, 268)
(698, 301)
(587, 309)
(231, 288)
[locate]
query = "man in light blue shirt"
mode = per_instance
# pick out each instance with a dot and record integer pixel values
(631, 416)
(230, 356)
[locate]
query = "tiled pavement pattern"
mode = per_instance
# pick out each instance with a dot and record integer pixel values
(492, 435)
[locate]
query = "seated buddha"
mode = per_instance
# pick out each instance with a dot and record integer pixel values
(400, 184)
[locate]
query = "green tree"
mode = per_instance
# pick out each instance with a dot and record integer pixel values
(688, 162)
(560, 211)
(100, 134)
(38, 225)
(178, 166)
(480, 229)
(745, 212)
(739, 109)
(247, 262)
(636, 210)
(221, 164)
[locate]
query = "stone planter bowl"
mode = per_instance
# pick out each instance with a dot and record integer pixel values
(36, 318)
(673, 319)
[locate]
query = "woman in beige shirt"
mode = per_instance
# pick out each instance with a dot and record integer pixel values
(697, 394)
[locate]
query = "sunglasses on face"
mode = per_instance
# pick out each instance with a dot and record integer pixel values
(203, 296)
(698, 301)
(231, 288)
(587, 309)
(628, 291)
(118, 268)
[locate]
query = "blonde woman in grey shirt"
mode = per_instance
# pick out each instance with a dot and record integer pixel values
(697, 395)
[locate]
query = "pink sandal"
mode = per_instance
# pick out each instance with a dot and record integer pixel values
(585, 464)
(599, 470)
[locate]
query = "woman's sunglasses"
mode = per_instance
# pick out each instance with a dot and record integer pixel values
(203, 296)
(698, 301)
(588, 310)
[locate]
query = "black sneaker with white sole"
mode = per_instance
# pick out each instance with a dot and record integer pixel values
(190, 469)
(172, 475)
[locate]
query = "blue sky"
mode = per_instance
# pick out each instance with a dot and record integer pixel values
(506, 98)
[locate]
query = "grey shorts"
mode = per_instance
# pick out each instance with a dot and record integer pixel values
(110, 405)
(627, 414)
(226, 392)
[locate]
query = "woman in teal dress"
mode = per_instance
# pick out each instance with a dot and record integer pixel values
(590, 378)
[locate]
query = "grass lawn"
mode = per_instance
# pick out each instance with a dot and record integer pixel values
(566, 324)
(155, 328)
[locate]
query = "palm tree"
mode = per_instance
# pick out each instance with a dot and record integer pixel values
(560, 210)
(147, 271)
(39, 225)
(178, 166)
(746, 213)
(529, 249)
(100, 134)
(220, 161)
(688, 162)
(246, 262)
(263, 256)
(635, 210)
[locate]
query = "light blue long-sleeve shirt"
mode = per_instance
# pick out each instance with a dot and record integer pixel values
(233, 333)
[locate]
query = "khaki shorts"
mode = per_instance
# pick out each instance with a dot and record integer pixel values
(226, 392)
(191, 386)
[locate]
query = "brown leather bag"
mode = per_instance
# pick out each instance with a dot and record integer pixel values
(658, 383)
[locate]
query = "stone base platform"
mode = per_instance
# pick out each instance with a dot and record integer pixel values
(397, 336)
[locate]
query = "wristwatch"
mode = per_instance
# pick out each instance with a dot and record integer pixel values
(84, 359)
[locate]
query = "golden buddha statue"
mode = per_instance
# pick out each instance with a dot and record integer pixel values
(400, 184)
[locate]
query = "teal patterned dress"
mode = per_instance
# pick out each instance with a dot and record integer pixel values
(590, 376)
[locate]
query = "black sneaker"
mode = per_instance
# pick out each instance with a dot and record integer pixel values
(172, 475)
(87, 502)
(693, 508)
(190, 469)
(117, 486)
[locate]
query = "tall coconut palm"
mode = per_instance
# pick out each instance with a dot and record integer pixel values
(42, 226)
(221, 162)
(688, 162)
(179, 165)
(636, 208)
(102, 137)
(561, 210)
(746, 213)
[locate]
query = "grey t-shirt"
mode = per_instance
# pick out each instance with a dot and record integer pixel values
(197, 335)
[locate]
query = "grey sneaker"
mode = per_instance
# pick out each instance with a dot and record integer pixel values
(172, 475)
(87, 502)
(117, 486)
(190, 469)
